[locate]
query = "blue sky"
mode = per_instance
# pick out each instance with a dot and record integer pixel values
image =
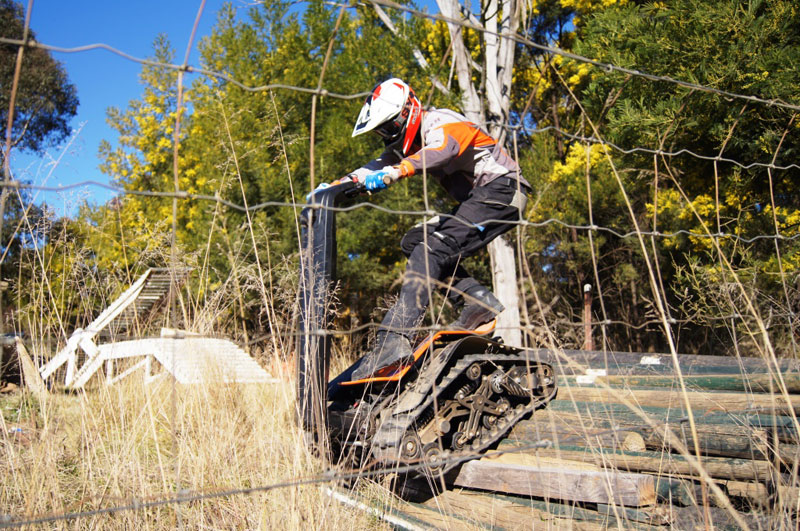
(103, 79)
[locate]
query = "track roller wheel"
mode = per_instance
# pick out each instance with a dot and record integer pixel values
(433, 457)
(503, 405)
(474, 371)
(410, 447)
(546, 377)
(489, 421)
(459, 441)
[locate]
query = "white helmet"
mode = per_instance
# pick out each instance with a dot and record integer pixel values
(391, 110)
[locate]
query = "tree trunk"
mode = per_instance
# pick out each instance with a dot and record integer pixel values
(504, 274)
(470, 102)
(497, 71)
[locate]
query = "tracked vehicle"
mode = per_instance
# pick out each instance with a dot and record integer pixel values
(461, 393)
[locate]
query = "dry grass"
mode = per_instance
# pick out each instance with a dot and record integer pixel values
(111, 445)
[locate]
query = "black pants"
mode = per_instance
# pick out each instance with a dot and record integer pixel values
(481, 218)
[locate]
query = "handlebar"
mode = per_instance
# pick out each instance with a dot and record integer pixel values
(347, 186)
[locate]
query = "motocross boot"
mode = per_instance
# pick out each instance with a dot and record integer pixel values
(390, 348)
(482, 307)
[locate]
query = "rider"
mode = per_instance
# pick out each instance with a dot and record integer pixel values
(476, 171)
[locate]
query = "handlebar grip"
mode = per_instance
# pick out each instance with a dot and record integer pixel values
(387, 180)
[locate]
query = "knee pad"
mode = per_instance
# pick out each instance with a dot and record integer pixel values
(416, 235)
(442, 250)
(412, 238)
(447, 243)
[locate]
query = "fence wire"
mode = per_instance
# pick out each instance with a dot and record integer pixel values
(330, 476)
(183, 496)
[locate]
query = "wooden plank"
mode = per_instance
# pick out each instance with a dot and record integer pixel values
(659, 462)
(592, 486)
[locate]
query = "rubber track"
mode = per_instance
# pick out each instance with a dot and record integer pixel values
(386, 441)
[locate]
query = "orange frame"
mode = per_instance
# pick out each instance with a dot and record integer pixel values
(394, 373)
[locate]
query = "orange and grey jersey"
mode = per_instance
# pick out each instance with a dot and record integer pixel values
(456, 151)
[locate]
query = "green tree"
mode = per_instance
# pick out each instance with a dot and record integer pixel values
(740, 47)
(143, 162)
(46, 101)
(253, 148)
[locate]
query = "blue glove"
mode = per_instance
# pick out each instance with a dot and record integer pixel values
(374, 181)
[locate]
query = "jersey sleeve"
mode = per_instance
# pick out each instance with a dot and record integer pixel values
(440, 148)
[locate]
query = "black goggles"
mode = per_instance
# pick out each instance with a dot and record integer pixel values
(389, 130)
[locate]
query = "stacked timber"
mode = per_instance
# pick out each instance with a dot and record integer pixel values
(641, 440)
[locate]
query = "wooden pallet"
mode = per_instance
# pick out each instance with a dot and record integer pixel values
(127, 314)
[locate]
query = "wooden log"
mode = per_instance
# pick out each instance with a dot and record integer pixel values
(753, 383)
(599, 431)
(730, 441)
(510, 512)
(492, 511)
(567, 361)
(574, 431)
(638, 369)
(784, 427)
(586, 412)
(707, 400)
(668, 490)
(658, 462)
(662, 412)
(506, 513)
(590, 426)
(652, 515)
(611, 487)
(699, 517)
(772, 410)
(672, 491)
(786, 497)
(723, 440)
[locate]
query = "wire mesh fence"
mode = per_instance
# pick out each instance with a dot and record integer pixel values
(747, 317)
